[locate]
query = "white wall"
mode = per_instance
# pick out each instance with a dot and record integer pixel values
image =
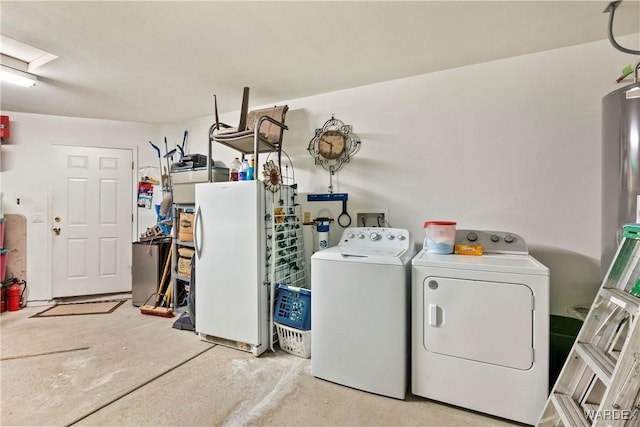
(510, 145)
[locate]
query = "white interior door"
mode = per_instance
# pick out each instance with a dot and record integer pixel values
(91, 224)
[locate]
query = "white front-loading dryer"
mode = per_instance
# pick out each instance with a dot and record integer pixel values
(480, 327)
(360, 322)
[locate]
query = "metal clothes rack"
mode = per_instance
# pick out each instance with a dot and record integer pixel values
(285, 254)
(285, 257)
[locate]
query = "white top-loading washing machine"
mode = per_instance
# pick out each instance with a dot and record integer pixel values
(480, 327)
(360, 310)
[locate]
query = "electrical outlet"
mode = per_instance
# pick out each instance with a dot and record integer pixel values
(372, 218)
(306, 217)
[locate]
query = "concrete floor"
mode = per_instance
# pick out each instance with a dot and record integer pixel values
(129, 369)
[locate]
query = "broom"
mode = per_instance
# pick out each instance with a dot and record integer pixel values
(155, 310)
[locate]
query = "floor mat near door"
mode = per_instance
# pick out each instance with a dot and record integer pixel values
(74, 309)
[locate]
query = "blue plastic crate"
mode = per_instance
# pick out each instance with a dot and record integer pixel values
(293, 307)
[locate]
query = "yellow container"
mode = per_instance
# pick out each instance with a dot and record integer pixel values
(468, 249)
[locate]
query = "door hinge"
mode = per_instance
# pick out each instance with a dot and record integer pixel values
(131, 217)
(132, 165)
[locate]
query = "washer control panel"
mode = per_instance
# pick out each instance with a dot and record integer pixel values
(376, 237)
(497, 242)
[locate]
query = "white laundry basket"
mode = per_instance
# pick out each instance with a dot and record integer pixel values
(294, 341)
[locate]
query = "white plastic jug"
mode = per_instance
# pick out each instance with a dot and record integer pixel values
(441, 236)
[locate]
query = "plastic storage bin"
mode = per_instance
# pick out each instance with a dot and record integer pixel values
(563, 333)
(293, 307)
(441, 236)
(294, 341)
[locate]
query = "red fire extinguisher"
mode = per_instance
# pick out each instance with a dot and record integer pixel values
(15, 294)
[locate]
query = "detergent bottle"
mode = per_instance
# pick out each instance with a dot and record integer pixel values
(242, 173)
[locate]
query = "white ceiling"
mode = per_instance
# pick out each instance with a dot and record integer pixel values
(162, 61)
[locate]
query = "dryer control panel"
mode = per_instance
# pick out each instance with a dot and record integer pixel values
(493, 242)
(396, 239)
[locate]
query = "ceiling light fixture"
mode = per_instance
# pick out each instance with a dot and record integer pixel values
(17, 77)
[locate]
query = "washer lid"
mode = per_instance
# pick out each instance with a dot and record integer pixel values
(386, 256)
(375, 245)
(522, 264)
(366, 252)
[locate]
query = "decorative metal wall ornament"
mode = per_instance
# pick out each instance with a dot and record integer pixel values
(333, 145)
(272, 178)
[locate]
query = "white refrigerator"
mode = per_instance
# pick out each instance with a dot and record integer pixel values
(232, 293)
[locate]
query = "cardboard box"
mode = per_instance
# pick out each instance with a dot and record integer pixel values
(186, 252)
(185, 226)
(184, 267)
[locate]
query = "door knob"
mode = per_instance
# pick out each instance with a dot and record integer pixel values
(56, 230)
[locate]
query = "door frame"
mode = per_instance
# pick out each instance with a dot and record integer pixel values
(49, 203)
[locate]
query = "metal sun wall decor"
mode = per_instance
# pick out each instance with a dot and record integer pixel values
(272, 176)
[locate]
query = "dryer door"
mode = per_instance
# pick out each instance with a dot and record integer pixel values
(488, 322)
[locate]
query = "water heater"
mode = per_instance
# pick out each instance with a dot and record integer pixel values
(620, 165)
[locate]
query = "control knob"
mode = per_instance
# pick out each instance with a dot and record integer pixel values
(401, 237)
(472, 237)
(374, 236)
(390, 236)
(495, 238)
(509, 238)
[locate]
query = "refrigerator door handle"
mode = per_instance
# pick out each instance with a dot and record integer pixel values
(196, 221)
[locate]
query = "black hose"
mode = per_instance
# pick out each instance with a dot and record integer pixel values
(22, 303)
(611, 8)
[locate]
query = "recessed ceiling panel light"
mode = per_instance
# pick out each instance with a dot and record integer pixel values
(17, 77)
